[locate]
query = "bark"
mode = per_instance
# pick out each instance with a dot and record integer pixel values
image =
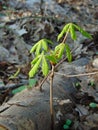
(30, 110)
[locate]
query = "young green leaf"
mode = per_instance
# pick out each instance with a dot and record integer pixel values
(72, 32)
(33, 48)
(68, 53)
(45, 67)
(59, 50)
(64, 30)
(35, 60)
(51, 58)
(38, 49)
(44, 45)
(60, 35)
(40, 46)
(35, 68)
(83, 32)
(48, 41)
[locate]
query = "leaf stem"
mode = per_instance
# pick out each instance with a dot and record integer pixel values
(51, 98)
(66, 35)
(76, 75)
(56, 66)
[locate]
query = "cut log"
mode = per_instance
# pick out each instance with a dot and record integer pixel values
(29, 109)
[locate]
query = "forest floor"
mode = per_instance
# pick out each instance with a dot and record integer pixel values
(23, 23)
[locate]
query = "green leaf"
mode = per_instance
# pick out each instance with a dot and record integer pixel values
(83, 32)
(48, 41)
(44, 45)
(60, 35)
(59, 50)
(58, 47)
(40, 46)
(64, 30)
(35, 68)
(32, 82)
(33, 48)
(35, 60)
(45, 67)
(38, 49)
(15, 75)
(93, 105)
(68, 53)
(72, 32)
(51, 58)
(17, 90)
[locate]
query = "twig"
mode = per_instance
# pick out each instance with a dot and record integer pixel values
(45, 78)
(76, 75)
(57, 65)
(51, 98)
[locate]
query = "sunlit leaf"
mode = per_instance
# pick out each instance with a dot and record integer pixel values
(35, 68)
(40, 46)
(66, 27)
(44, 45)
(45, 67)
(33, 48)
(68, 53)
(64, 30)
(48, 41)
(51, 58)
(59, 50)
(60, 35)
(83, 32)
(35, 60)
(15, 75)
(38, 49)
(72, 32)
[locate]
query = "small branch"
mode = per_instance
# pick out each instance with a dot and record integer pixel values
(57, 65)
(45, 78)
(65, 36)
(76, 75)
(51, 98)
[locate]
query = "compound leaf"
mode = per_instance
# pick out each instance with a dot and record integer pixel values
(38, 48)
(33, 48)
(44, 45)
(83, 32)
(45, 67)
(35, 60)
(59, 50)
(51, 58)
(68, 53)
(64, 30)
(72, 32)
(48, 41)
(35, 68)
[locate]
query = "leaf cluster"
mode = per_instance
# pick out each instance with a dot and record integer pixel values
(44, 56)
(72, 28)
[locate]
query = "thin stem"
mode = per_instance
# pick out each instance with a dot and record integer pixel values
(76, 75)
(66, 36)
(51, 98)
(57, 65)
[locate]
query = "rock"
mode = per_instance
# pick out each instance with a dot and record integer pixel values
(95, 63)
(4, 54)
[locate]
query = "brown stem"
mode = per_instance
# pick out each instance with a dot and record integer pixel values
(66, 36)
(57, 65)
(77, 75)
(51, 98)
